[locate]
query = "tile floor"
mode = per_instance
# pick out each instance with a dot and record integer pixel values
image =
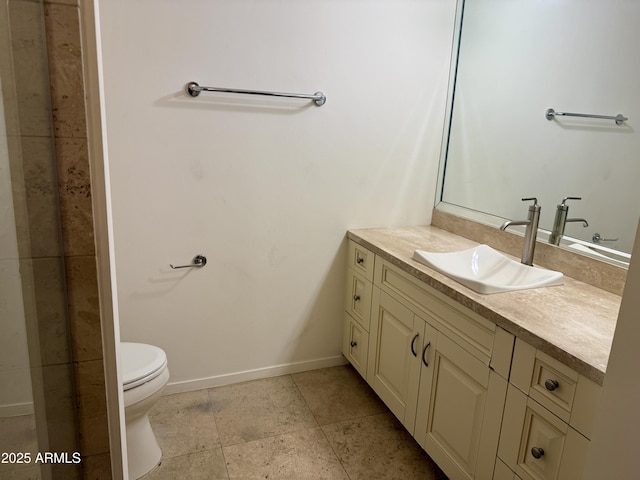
(321, 424)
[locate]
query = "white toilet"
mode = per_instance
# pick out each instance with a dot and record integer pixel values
(145, 374)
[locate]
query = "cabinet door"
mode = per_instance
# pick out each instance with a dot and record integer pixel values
(395, 342)
(355, 344)
(459, 409)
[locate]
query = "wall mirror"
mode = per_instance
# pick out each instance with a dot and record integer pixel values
(515, 60)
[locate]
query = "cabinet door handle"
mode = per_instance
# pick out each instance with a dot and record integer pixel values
(551, 385)
(413, 350)
(360, 260)
(537, 452)
(424, 354)
(354, 344)
(356, 298)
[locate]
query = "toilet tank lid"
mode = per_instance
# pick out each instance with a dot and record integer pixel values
(139, 360)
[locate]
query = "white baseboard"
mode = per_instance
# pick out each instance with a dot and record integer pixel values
(16, 409)
(230, 378)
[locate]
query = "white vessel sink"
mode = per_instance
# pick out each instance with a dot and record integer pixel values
(486, 270)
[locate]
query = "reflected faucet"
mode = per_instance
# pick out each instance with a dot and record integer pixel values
(530, 232)
(561, 221)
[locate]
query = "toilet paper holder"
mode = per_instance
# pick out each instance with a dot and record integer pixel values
(198, 261)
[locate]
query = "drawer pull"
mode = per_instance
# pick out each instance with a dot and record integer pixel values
(354, 344)
(551, 385)
(360, 260)
(356, 298)
(413, 350)
(537, 452)
(424, 354)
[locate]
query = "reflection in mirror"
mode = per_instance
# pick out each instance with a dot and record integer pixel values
(516, 60)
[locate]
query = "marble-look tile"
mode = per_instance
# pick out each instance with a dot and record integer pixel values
(378, 447)
(84, 308)
(63, 2)
(75, 196)
(304, 454)
(40, 189)
(207, 465)
(96, 467)
(29, 62)
(65, 67)
(336, 394)
(45, 310)
(184, 423)
(92, 407)
(259, 409)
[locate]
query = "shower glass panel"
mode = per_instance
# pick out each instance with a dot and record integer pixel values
(37, 405)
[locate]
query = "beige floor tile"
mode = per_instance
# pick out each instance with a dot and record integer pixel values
(337, 393)
(378, 447)
(208, 465)
(259, 409)
(184, 423)
(301, 455)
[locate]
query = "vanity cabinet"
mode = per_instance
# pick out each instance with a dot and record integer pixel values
(482, 404)
(431, 361)
(548, 417)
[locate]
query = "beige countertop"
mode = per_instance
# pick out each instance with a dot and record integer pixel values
(573, 323)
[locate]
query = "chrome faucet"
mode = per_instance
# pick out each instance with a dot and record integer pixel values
(561, 221)
(530, 232)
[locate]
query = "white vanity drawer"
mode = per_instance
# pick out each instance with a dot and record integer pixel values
(361, 260)
(459, 323)
(557, 387)
(358, 298)
(355, 344)
(536, 444)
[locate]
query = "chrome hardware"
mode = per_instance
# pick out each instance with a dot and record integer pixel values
(530, 232)
(356, 298)
(354, 344)
(561, 220)
(551, 385)
(597, 238)
(413, 350)
(198, 261)
(193, 90)
(551, 113)
(537, 452)
(424, 353)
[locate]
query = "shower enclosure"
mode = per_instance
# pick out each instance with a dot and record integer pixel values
(37, 395)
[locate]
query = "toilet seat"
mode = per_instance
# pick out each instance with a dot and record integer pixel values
(140, 363)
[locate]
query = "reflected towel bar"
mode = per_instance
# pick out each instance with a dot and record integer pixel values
(619, 119)
(193, 90)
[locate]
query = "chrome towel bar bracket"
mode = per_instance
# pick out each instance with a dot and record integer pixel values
(551, 114)
(198, 261)
(193, 90)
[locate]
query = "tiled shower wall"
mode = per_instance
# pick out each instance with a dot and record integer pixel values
(65, 344)
(62, 26)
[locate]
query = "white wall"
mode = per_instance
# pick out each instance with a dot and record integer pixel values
(613, 452)
(265, 188)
